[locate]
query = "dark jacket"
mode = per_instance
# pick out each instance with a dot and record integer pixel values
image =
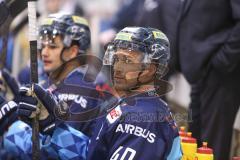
(126, 14)
(204, 35)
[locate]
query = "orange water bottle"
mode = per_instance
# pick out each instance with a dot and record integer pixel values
(182, 132)
(189, 147)
(204, 153)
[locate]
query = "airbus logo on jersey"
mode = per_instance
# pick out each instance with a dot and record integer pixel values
(73, 97)
(6, 108)
(137, 131)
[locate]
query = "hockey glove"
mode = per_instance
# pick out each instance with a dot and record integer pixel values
(7, 114)
(36, 100)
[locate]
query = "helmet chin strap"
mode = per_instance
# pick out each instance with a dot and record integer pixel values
(126, 77)
(61, 55)
(138, 84)
(57, 72)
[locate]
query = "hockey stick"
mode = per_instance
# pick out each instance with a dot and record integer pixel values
(32, 22)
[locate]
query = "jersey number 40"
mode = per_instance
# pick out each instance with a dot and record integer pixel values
(123, 153)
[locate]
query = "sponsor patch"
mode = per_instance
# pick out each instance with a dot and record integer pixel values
(137, 131)
(73, 97)
(159, 35)
(80, 20)
(47, 21)
(114, 115)
(124, 36)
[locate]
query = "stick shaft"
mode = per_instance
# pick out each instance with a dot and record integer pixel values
(32, 18)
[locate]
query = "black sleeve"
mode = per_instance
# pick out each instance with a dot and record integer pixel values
(126, 14)
(228, 57)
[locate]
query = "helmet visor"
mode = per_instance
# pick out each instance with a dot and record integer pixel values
(47, 38)
(110, 54)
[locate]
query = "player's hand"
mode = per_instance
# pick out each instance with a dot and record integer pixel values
(36, 100)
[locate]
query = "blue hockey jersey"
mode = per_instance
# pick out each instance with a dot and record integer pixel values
(80, 95)
(139, 128)
(66, 143)
(70, 139)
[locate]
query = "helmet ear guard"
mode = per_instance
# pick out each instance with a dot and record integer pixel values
(77, 30)
(79, 34)
(160, 55)
(161, 71)
(67, 41)
(84, 41)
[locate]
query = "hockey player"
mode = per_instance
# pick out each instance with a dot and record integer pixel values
(63, 45)
(7, 112)
(140, 127)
